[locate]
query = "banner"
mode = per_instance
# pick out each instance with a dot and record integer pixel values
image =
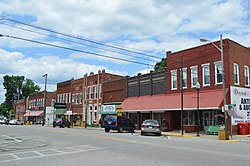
(240, 97)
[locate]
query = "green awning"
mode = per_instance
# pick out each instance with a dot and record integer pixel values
(108, 113)
(60, 111)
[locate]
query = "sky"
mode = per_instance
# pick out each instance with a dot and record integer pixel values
(94, 32)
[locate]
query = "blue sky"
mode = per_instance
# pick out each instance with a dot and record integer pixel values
(149, 27)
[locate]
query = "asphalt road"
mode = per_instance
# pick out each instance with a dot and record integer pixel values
(47, 146)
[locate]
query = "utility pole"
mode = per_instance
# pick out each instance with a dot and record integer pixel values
(86, 98)
(45, 91)
(181, 89)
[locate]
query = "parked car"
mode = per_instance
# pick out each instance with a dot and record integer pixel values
(119, 123)
(16, 122)
(61, 122)
(150, 126)
(4, 120)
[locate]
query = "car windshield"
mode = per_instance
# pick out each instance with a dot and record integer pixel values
(110, 118)
(57, 120)
(151, 122)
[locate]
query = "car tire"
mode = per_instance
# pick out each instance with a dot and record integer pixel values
(54, 126)
(132, 130)
(120, 129)
(107, 130)
(142, 133)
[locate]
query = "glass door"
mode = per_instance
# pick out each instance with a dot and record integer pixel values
(206, 120)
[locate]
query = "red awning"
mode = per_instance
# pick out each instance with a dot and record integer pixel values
(210, 99)
(34, 113)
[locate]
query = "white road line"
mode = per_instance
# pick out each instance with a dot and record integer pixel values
(13, 138)
(40, 154)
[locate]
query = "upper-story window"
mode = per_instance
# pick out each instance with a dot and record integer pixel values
(194, 76)
(236, 74)
(218, 72)
(246, 75)
(206, 74)
(80, 98)
(95, 91)
(58, 98)
(100, 91)
(91, 92)
(77, 98)
(174, 79)
(73, 99)
(66, 98)
(184, 76)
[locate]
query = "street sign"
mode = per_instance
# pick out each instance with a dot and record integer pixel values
(69, 112)
(119, 108)
(60, 105)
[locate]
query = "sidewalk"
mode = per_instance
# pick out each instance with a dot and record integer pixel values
(177, 133)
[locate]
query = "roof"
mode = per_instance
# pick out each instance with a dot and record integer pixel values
(209, 99)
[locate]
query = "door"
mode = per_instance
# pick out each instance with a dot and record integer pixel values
(208, 119)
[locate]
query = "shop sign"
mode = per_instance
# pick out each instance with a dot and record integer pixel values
(108, 108)
(69, 112)
(60, 105)
(239, 109)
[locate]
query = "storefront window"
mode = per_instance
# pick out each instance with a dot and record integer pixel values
(133, 117)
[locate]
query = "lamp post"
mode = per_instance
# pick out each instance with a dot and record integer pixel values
(198, 86)
(45, 91)
(223, 78)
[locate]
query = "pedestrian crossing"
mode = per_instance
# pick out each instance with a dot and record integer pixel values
(46, 153)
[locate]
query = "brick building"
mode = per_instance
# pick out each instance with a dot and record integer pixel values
(35, 107)
(20, 109)
(200, 64)
(84, 97)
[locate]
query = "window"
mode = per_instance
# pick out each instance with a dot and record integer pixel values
(174, 79)
(66, 98)
(218, 72)
(95, 91)
(80, 98)
(91, 92)
(184, 76)
(100, 91)
(194, 76)
(236, 74)
(69, 97)
(206, 74)
(63, 98)
(73, 98)
(77, 98)
(58, 98)
(246, 75)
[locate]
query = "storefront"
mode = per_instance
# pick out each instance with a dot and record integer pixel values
(108, 109)
(35, 117)
(167, 107)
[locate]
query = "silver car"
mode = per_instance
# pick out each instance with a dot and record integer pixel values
(150, 126)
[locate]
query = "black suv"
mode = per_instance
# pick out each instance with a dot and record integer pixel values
(61, 122)
(119, 123)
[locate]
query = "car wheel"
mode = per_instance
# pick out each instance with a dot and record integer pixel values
(159, 134)
(107, 130)
(142, 133)
(132, 130)
(120, 130)
(54, 126)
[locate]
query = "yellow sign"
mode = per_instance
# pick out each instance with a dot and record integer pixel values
(119, 109)
(119, 114)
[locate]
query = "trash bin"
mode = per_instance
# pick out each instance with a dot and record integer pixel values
(243, 128)
(222, 133)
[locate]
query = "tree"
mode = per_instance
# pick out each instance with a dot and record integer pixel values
(159, 66)
(17, 85)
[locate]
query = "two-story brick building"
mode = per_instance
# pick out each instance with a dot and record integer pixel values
(200, 64)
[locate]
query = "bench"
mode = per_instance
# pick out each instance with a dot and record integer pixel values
(213, 130)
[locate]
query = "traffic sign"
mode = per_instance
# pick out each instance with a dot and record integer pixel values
(119, 114)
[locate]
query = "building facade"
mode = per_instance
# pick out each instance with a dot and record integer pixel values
(199, 108)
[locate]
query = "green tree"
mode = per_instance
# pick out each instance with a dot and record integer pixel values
(4, 110)
(15, 85)
(159, 66)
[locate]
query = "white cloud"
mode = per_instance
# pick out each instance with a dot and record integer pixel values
(14, 63)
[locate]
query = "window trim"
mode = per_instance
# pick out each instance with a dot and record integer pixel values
(174, 76)
(191, 68)
(215, 72)
(203, 74)
(238, 74)
(246, 67)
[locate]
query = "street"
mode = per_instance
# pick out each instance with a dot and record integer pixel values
(46, 146)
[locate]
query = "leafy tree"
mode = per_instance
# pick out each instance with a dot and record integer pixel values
(159, 66)
(15, 85)
(4, 110)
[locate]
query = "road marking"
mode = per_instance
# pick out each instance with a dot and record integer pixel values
(42, 153)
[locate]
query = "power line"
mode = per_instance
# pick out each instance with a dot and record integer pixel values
(81, 38)
(72, 49)
(25, 29)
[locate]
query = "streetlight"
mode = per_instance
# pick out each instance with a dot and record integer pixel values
(198, 86)
(223, 77)
(45, 91)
